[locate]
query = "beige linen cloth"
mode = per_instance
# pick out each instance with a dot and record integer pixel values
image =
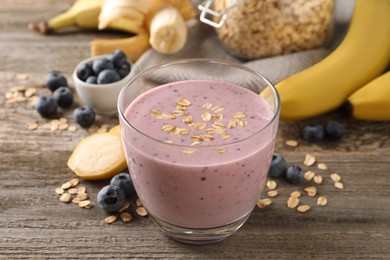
(202, 42)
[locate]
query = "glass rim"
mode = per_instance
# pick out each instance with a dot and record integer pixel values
(198, 60)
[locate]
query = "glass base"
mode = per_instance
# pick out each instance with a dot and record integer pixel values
(199, 236)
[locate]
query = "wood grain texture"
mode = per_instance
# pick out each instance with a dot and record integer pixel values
(34, 224)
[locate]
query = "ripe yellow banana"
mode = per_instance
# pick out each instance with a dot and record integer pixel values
(372, 101)
(83, 14)
(133, 47)
(363, 55)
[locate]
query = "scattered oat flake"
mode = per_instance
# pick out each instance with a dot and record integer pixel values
(141, 211)
(187, 151)
(184, 131)
(66, 197)
(232, 124)
(224, 136)
(82, 196)
(76, 200)
(63, 120)
(126, 217)
(8, 95)
(168, 128)
(138, 202)
(271, 184)
(85, 204)
(311, 191)
(303, 208)
(72, 191)
(72, 128)
(309, 160)
(93, 128)
(335, 177)
(221, 149)
(243, 123)
(21, 76)
(168, 141)
(46, 126)
(292, 143)
(217, 109)
(318, 179)
(200, 126)
(81, 189)
(207, 137)
(239, 115)
(207, 105)
(339, 185)
(110, 219)
(59, 191)
(272, 193)
(218, 124)
(206, 116)
(322, 201)
(262, 203)
(322, 166)
(32, 126)
(124, 207)
(187, 119)
(292, 202)
(296, 194)
(196, 142)
(184, 102)
(30, 92)
(66, 185)
(63, 126)
(74, 182)
(309, 175)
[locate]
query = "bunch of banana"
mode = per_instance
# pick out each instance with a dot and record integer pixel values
(372, 101)
(83, 14)
(164, 19)
(362, 56)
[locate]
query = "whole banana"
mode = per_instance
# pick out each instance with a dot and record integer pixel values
(363, 55)
(83, 14)
(372, 101)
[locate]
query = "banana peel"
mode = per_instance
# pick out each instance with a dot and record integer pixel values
(133, 46)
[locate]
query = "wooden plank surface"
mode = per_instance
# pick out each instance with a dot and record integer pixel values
(34, 224)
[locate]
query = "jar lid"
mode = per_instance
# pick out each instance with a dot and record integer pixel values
(207, 12)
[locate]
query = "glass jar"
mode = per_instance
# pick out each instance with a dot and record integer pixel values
(253, 29)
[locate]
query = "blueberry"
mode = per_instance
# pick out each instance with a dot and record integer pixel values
(111, 198)
(84, 116)
(294, 174)
(63, 96)
(124, 70)
(91, 80)
(313, 133)
(334, 130)
(84, 71)
(108, 76)
(278, 166)
(46, 106)
(54, 80)
(101, 64)
(123, 181)
(118, 58)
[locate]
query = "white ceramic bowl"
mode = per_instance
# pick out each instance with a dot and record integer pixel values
(102, 98)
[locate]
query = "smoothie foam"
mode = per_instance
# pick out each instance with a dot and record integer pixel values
(199, 184)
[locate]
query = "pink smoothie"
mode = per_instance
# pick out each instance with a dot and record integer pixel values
(199, 177)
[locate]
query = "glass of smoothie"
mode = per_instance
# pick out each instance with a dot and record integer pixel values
(198, 144)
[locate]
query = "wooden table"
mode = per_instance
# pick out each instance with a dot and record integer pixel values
(34, 224)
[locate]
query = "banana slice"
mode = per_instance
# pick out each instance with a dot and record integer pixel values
(99, 156)
(168, 30)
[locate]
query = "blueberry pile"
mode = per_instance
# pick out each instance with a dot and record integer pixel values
(105, 70)
(62, 96)
(113, 196)
(332, 130)
(279, 168)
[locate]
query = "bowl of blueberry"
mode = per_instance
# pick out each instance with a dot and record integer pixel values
(99, 79)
